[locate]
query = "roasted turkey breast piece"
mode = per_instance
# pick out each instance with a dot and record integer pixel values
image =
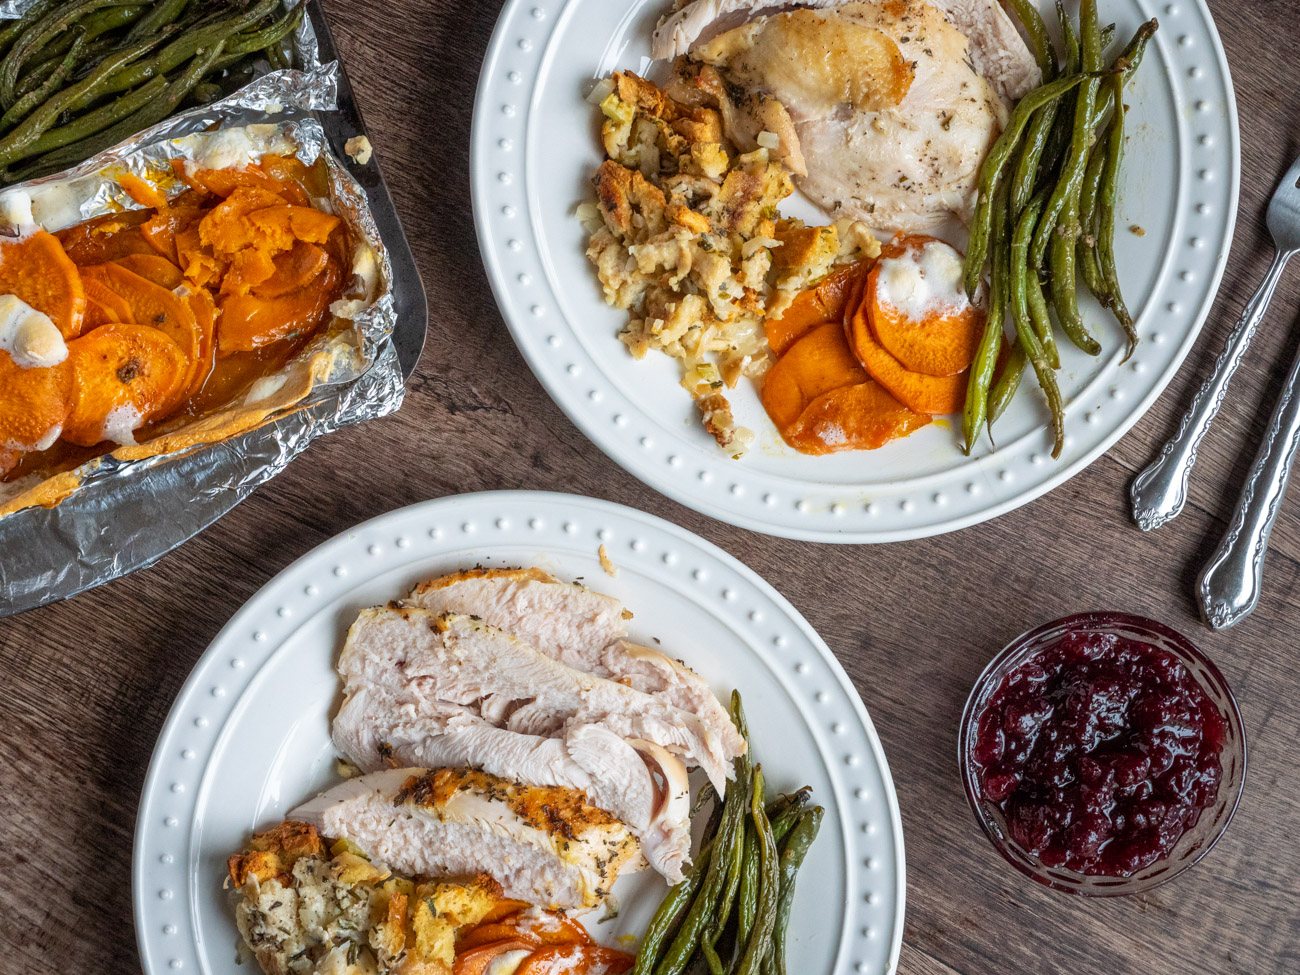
(895, 102)
(638, 783)
(424, 658)
(581, 628)
(545, 845)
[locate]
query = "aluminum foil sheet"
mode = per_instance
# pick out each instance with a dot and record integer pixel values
(125, 514)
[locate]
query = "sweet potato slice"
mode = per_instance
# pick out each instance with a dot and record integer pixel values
(944, 342)
(224, 182)
(35, 402)
(204, 307)
(97, 315)
(278, 227)
(295, 268)
(860, 417)
(106, 238)
(142, 191)
(227, 229)
(38, 271)
(248, 268)
(817, 363)
(916, 391)
(200, 266)
(291, 174)
(823, 303)
(156, 307)
(108, 299)
(162, 228)
(248, 322)
(123, 376)
(155, 268)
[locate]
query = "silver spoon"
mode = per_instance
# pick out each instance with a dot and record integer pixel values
(1160, 491)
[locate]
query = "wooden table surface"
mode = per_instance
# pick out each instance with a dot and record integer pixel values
(87, 683)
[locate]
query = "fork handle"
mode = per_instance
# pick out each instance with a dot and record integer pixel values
(1160, 491)
(1229, 586)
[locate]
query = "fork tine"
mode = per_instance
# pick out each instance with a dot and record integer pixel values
(1292, 177)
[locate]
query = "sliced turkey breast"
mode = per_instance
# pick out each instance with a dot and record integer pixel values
(544, 845)
(638, 782)
(892, 117)
(997, 51)
(583, 629)
(425, 658)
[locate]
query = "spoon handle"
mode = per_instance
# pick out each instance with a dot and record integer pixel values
(1230, 585)
(1160, 491)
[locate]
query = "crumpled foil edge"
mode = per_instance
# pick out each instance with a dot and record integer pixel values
(125, 514)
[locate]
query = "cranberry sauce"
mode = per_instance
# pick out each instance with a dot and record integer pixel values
(1101, 752)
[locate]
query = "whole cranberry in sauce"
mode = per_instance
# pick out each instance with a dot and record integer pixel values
(1101, 752)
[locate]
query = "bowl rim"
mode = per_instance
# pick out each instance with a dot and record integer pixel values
(1028, 642)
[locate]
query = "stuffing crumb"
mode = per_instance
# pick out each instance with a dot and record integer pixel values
(607, 563)
(359, 149)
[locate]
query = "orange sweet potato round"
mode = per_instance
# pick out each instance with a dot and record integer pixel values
(155, 268)
(34, 403)
(227, 227)
(123, 376)
(97, 315)
(106, 238)
(818, 362)
(156, 307)
(860, 417)
(248, 322)
(943, 343)
(823, 303)
(295, 268)
(108, 299)
(142, 191)
(916, 391)
(38, 271)
(223, 182)
(279, 226)
(204, 307)
(292, 175)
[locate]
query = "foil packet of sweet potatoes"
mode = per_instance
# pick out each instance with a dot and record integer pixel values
(69, 530)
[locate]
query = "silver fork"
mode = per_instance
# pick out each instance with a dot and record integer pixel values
(1159, 493)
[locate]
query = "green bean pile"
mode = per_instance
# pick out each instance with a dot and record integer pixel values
(733, 907)
(1045, 213)
(78, 76)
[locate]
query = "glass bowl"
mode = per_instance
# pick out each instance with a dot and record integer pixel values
(1196, 842)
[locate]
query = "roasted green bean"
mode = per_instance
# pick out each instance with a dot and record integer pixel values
(792, 857)
(769, 886)
(1040, 41)
(163, 104)
(32, 40)
(1004, 390)
(668, 914)
(1024, 326)
(991, 174)
(188, 44)
(32, 99)
(1062, 205)
(164, 12)
(17, 144)
(706, 901)
(975, 410)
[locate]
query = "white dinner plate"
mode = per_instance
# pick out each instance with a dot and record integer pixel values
(535, 147)
(248, 737)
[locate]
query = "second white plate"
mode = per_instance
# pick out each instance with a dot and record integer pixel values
(248, 737)
(535, 146)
